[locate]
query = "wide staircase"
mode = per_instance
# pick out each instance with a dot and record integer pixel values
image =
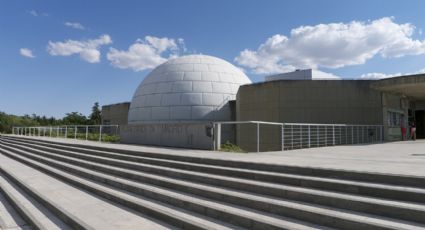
(52, 185)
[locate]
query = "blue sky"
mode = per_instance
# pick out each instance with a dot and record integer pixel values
(62, 56)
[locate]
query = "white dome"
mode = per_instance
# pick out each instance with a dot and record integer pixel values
(188, 88)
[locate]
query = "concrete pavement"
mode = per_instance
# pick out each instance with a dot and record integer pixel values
(401, 158)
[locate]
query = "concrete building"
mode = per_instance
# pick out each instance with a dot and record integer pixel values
(115, 114)
(177, 102)
(392, 103)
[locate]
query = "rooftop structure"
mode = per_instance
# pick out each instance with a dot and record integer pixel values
(303, 74)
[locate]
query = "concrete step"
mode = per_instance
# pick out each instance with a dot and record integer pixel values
(355, 203)
(10, 217)
(376, 178)
(36, 215)
(243, 217)
(331, 216)
(95, 212)
(345, 186)
(387, 208)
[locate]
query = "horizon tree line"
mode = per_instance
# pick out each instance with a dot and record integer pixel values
(7, 121)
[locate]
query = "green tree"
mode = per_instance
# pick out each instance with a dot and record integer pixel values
(95, 116)
(8, 121)
(74, 118)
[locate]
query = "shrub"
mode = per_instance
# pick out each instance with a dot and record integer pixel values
(230, 147)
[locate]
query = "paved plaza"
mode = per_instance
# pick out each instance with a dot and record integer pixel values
(403, 157)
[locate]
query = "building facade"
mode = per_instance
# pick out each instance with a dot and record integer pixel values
(177, 102)
(115, 114)
(316, 102)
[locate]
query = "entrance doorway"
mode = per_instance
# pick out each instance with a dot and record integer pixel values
(420, 123)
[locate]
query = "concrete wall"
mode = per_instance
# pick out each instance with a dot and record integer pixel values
(183, 135)
(290, 101)
(116, 114)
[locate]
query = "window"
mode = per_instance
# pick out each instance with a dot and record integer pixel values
(394, 118)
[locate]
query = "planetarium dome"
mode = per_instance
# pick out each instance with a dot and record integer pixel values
(187, 88)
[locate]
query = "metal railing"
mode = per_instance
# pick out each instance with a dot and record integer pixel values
(297, 136)
(107, 133)
(304, 135)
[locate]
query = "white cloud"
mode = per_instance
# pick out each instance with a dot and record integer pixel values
(36, 14)
(26, 52)
(87, 49)
(333, 45)
(146, 54)
(383, 75)
(33, 13)
(75, 25)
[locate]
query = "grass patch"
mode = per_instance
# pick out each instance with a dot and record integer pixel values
(90, 136)
(230, 147)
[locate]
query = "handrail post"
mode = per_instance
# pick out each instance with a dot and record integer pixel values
(218, 141)
(75, 132)
(309, 144)
(301, 136)
(66, 131)
(292, 136)
(282, 131)
(258, 137)
(318, 136)
(376, 133)
(333, 134)
(87, 132)
(326, 135)
(100, 133)
(382, 133)
(50, 131)
(358, 134)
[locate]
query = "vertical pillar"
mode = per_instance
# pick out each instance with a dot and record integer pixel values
(218, 137)
(66, 131)
(75, 132)
(333, 134)
(87, 132)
